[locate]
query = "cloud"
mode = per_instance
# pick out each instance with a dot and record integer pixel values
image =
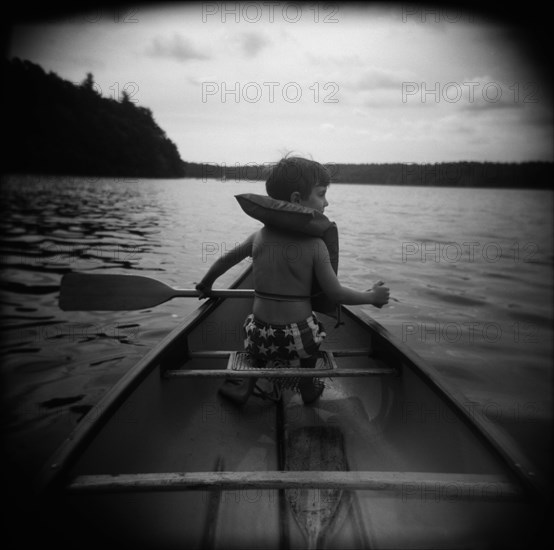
(375, 78)
(484, 93)
(342, 60)
(456, 124)
(476, 95)
(251, 43)
(393, 98)
(177, 47)
(539, 115)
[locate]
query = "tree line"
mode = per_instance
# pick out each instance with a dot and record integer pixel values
(53, 126)
(56, 127)
(536, 175)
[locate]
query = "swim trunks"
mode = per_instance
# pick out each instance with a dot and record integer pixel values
(290, 342)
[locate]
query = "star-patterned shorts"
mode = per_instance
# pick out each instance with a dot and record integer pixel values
(286, 342)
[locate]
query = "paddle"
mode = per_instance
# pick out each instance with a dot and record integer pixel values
(86, 292)
(315, 448)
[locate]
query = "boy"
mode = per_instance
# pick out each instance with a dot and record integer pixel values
(282, 324)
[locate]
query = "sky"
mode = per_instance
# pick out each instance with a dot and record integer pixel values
(235, 83)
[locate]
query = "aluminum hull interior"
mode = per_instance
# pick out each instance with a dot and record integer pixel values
(436, 480)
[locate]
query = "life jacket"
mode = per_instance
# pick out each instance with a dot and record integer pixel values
(297, 218)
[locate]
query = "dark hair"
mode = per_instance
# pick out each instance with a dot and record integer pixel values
(292, 174)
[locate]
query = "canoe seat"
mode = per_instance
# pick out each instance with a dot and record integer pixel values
(241, 360)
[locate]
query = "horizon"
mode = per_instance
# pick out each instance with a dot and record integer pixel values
(341, 84)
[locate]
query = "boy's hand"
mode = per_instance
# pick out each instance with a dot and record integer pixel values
(380, 294)
(204, 291)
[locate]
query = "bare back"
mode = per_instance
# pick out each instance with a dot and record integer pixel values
(283, 265)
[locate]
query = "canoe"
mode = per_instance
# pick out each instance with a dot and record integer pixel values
(390, 456)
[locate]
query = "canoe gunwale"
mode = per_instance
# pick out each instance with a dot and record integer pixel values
(487, 432)
(55, 469)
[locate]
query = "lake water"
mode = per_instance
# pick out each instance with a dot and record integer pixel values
(470, 271)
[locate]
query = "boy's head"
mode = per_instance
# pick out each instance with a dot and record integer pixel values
(296, 175)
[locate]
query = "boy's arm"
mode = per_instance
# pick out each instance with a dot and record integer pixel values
(223, 264)
(327, 279)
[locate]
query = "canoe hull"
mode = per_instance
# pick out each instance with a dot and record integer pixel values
(427, 477)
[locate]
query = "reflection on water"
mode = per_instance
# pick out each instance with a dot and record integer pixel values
(471, 270)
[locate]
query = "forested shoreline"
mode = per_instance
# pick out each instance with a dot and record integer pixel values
(55, 127)
(536, 175)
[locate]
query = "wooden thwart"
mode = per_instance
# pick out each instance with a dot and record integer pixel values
(431, 487)
(224, 354)
(276, 373)
(237, 367)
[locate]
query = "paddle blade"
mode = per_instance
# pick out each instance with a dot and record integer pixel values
(315, 448)
(85, 292)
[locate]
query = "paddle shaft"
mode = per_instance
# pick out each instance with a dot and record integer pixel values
(223, 293)
(97, 292)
